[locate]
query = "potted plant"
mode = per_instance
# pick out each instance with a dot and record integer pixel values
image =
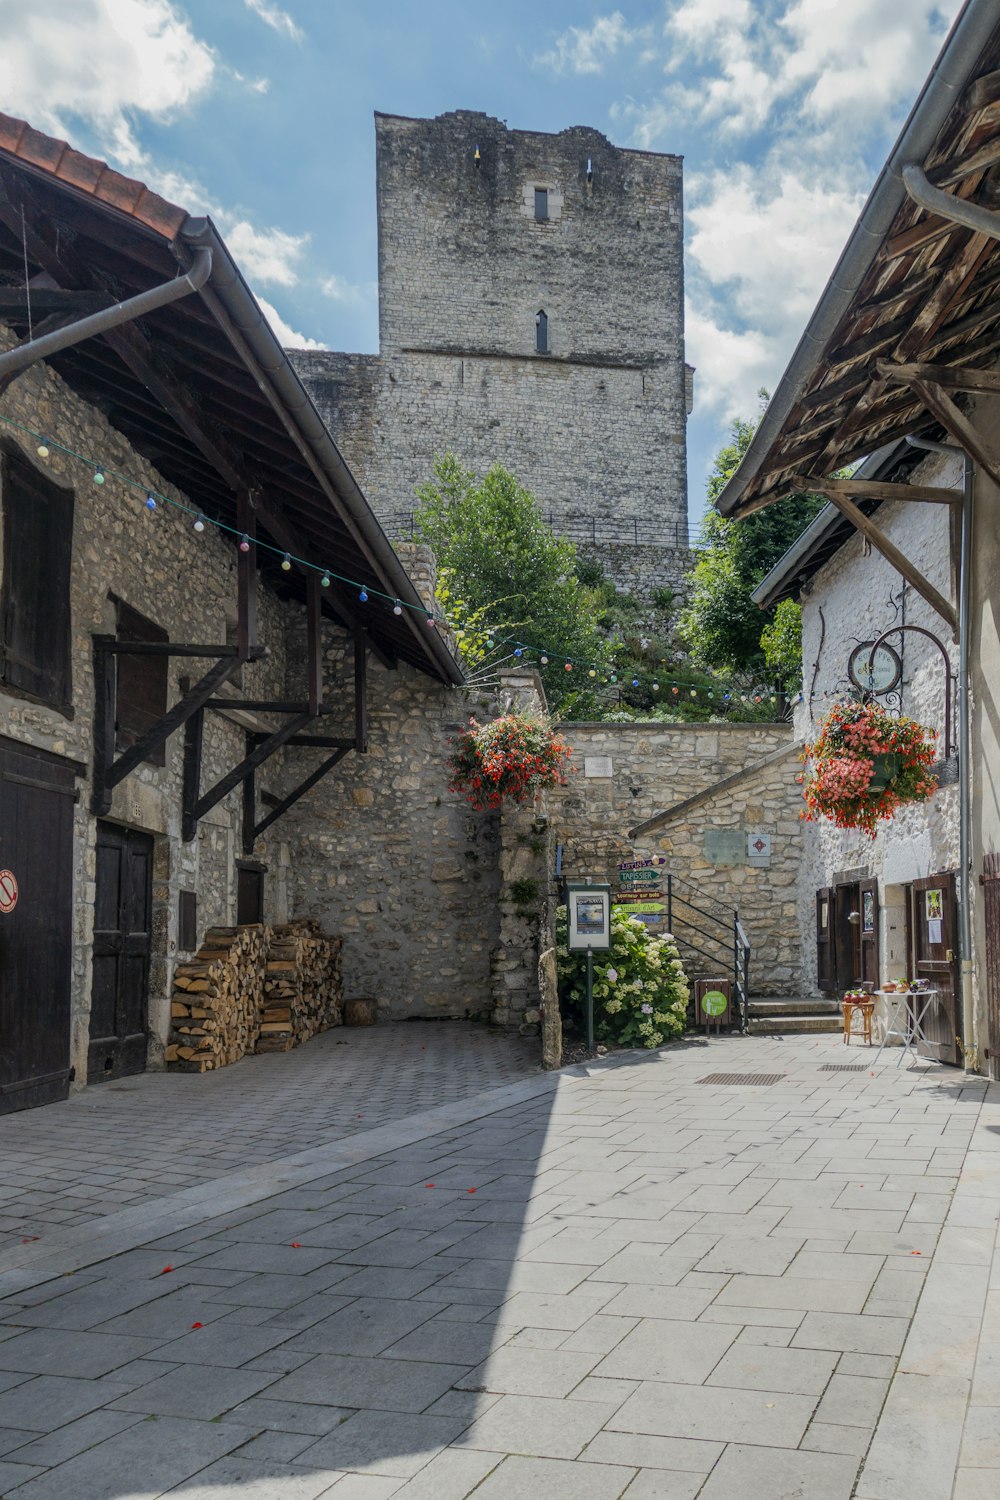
(889, 987)
(864, 765)
(512, 757)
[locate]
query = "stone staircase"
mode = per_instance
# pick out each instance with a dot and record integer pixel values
(772, 1017)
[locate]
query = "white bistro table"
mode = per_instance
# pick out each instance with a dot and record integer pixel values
(902, 1023)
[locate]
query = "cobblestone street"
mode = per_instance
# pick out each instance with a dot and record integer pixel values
(126, 1143)
(621, 1280)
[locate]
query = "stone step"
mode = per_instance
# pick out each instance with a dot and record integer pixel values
(793, 1007)
(793, 1025)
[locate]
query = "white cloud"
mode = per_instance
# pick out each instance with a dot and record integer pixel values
(287, 336)
(789, 64)
(270, 256)
(583, 49)
(100, 63)
(349, 293)
(276, 18)
(759, 255)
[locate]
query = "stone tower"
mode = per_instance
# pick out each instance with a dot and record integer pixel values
(530, 313)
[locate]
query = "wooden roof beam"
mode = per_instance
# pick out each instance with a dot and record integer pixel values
(950, 172)
(948, 377)
(888, 549)
(878, 489)
(940, 404)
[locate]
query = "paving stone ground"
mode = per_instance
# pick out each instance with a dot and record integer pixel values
(617, 1281)
(138, 1139)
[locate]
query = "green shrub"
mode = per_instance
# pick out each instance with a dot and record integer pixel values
(640, 988)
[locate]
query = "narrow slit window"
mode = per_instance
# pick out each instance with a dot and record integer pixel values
(541, 205)
(541, 333)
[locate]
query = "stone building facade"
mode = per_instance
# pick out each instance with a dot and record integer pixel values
(693, 793)
(850, 595)
(530, 314)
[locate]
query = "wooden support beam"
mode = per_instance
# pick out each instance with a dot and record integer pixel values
(982, 93)
(360, 693)
(949, 172)
(42, 301)
(899, 560)
(281, 807)
(879, 489)
(250, 762)
(940, 404)
(246, 577)
(163, 648)
(194, 734)
(314, 643)
(948, 377)
(173, 719)
(105, 694)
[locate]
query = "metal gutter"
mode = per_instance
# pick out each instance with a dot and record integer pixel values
(23, 356)
(280, 383)
(969, 35)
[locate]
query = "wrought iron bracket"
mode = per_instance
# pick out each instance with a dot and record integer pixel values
(949, 676)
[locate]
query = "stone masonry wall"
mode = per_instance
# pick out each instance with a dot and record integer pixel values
(854, 598)
(595, 427)
(655, 767)
(184, 581)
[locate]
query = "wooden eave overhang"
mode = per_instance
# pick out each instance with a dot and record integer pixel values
(911, 316)
(201, 388)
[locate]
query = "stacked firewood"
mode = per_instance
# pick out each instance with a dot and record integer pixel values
(302, 986)
(216, 1006)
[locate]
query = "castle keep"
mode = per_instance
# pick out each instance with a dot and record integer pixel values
(530, 313)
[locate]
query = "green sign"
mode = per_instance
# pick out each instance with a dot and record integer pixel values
(714, 1002)
(638, 877)
(636, 906)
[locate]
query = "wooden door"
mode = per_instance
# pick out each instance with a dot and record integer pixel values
(847, 935)
(868, 929)
(37, 793)
(122, 930)
(249, 894)
(826, 967)
(934, 959)
(990, 881)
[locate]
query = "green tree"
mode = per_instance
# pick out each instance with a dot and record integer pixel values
(720, 623)
(781, 641)
(510, 579)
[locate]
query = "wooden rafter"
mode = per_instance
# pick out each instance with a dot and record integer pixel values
(948, 377)
(879, 489)
(941, 405)
(888, 549)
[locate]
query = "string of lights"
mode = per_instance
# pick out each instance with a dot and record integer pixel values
(725, 695)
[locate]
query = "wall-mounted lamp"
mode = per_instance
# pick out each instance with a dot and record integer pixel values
(476, 158)
(590, 172)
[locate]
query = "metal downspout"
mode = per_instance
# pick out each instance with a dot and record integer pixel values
(25, 355)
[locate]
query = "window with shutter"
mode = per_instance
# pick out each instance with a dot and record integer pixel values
(37, 557)
(142, 684)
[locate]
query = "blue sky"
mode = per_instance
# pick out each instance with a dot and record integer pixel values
(260, 112)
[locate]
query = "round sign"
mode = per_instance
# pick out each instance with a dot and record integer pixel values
(878, 673)
(713, 1002)
(8, 891)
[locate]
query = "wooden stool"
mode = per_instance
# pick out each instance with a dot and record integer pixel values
(851, 1007)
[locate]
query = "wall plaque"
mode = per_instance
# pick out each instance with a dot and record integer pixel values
(597, 765)
(725, 846)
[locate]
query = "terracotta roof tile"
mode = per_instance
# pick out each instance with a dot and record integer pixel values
(90, 176)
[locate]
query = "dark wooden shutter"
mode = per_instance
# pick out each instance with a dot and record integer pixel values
(868, 892)
(826, 975)
(142, 683)
(187, 921)
(37, 556)
(249, 894)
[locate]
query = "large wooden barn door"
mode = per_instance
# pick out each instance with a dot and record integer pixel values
(36, 846)
(933, 927)
(122, 929)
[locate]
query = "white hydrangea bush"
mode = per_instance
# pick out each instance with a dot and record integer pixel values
(640, 988)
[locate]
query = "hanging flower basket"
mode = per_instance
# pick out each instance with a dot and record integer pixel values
(864, 765)
(513, 757)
